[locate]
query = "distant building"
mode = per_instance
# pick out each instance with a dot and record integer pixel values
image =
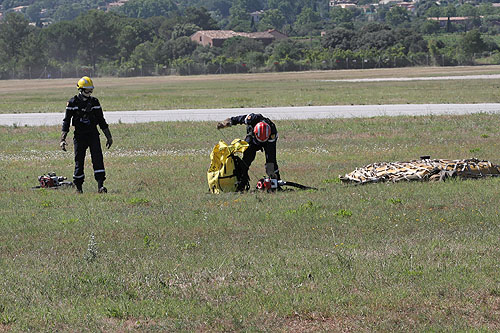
(453, 19)
(347, 5)
(277, 35)
(19, 8)
(410, 6)
(46, 21)
(257, 15)
(369, 8)
(343, 3)
(388, 2)
(217, 37)
(115, 4)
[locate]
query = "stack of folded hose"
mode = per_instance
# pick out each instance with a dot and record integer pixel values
(424, 170)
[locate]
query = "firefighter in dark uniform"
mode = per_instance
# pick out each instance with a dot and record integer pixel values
(84, 112)
(261, 135)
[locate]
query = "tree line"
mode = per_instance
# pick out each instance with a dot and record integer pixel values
(112, 43)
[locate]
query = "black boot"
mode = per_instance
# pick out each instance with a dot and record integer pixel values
(243, 183)
(100, 187)
(79, 188)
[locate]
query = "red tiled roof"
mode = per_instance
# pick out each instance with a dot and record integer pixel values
(225, 34)
(452, 18)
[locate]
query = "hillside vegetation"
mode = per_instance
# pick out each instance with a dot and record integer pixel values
(151, 37)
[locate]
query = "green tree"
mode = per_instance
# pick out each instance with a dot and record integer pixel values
(220, 6)
(130, 33)
(254, 59)
(472, 42)
(288, 8)
(410, 40)
(467, 10)
(248, 5)
(490, 22)
(148, 8)
(374, 36)
(144, 54)
(96, 43)
(340, 15)
(163, 27)
(33, 12)
(200, 17)
(424, 6)
(450, 10)
(237, 47)
(397, 16)
(14, 30)
(180, 47)
(239, 19)
(429, 27)
(285, 49)
(69, 12)
(205, 54)
(127, 40)
(472, 12)
(435, 46)
(307, 21)
(433, 11)
(186, 29)
(62, 40)
(34, 52)
(272, 19)
(338, 38)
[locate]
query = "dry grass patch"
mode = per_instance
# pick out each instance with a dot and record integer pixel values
(9, 86)
(254, 90)
(317, 323)
(127, 325)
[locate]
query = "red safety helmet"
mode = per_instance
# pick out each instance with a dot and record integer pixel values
(262, 131)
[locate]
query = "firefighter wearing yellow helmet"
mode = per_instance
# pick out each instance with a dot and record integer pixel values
(85, 83)
(84, 112)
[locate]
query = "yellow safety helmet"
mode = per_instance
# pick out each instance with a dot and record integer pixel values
(85, 83)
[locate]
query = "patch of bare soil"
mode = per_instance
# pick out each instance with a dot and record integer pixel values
(126, 325)
(4, 328)
(316, 323)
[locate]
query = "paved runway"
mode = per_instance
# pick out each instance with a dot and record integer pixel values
(426, 78)
(299, 112)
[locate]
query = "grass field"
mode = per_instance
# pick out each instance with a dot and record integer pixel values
(159, 253)
(255, 90)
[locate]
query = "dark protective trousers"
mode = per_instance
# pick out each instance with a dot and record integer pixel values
(269, 150)
(81, 143)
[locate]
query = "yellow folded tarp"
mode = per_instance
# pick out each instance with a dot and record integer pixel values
(221, 174)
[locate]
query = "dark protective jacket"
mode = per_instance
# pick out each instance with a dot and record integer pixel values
(84, 115)
(251, 120)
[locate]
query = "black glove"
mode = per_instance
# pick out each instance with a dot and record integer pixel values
(225, 123)
(109, 138)
(62, 142)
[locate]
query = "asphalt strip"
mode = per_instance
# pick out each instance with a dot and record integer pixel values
(427, 78)
(276, 113)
